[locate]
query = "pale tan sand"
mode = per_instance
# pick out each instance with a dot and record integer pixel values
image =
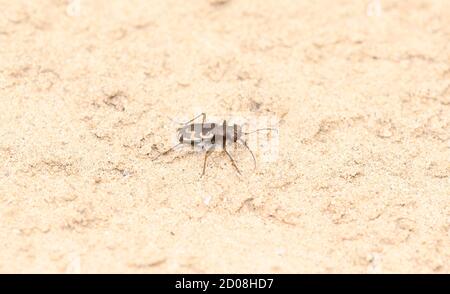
(362, 181)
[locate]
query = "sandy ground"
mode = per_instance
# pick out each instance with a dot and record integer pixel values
(361, 90)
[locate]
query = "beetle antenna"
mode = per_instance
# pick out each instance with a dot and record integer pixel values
(264, 129)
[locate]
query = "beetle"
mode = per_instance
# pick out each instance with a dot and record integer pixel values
(209, 136)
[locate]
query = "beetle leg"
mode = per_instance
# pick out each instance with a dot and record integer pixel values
(208, 152)
(203, 119)
(232, 161)
(248, 148)
(181, 123)
(167, 151)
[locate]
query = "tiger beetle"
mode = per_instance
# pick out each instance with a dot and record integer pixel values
(209, 136)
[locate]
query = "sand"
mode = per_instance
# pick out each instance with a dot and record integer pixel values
(361, 95)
